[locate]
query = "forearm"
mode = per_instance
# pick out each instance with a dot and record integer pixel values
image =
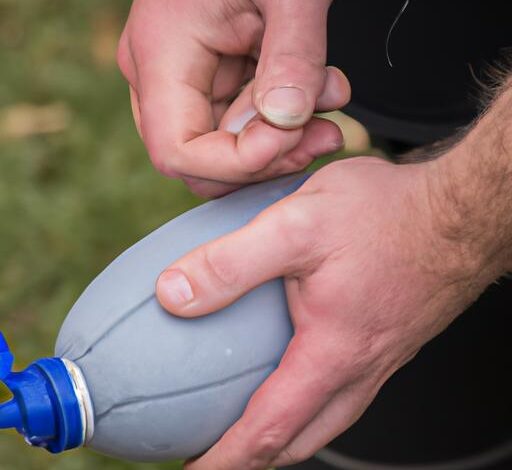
(472, 191)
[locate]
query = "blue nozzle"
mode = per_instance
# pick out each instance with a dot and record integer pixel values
(10, 416)
(44, 408)
(6, 358)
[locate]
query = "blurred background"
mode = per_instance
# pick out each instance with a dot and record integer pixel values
(76, 186)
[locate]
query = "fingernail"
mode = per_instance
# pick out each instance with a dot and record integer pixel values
(236, 125)
(337, 144)
(175, 288)
(285, 106)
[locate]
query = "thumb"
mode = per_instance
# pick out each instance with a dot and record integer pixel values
(219, 272)
(291, 73)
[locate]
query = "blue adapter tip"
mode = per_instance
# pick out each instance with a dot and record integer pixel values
(45, 408)
(10, 416)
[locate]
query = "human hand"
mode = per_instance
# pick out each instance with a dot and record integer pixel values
(371, 274)
(187, 61)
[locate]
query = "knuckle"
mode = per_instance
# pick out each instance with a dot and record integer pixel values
(200, 191)
(297, 161)
(266, 448)
(123, 58)
(204, 189)
(160, 164)
(296, 225)
(195, 186)
(165, 158)
(166, 167)
(296, 69)
(219, 268)
(300, 62)
(253, 165)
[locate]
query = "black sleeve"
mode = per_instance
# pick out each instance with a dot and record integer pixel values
(439, 49)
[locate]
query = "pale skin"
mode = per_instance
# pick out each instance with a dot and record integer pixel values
(377, 258)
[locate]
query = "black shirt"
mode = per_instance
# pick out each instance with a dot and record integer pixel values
(440, 51)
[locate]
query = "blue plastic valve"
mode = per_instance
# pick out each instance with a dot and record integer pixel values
(45, 408)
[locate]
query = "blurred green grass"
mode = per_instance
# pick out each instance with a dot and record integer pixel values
(70, 201)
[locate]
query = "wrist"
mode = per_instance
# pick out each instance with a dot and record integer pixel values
(471, 194)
